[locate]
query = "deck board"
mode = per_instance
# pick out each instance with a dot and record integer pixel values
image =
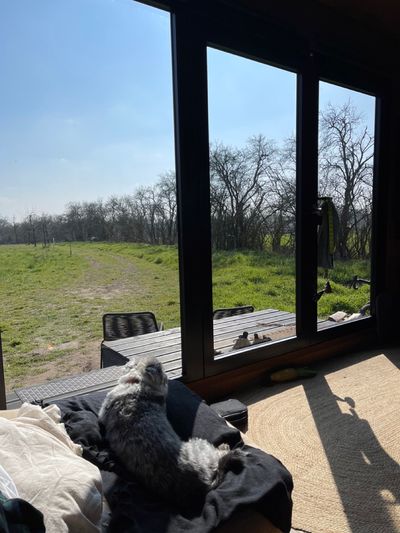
(226, 330)
(160, 343)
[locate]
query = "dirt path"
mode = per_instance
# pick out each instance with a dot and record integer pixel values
(112, 282)
(82, 358)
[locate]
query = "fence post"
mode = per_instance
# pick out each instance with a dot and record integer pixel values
(3, 403)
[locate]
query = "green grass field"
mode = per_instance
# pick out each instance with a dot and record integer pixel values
(52, 299)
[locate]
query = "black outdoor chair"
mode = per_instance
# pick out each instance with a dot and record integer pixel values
(232, 311)
(122, 325)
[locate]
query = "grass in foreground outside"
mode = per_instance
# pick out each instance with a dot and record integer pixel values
(52, 300)
(268, 281)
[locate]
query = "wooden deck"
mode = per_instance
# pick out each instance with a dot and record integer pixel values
(166, 345)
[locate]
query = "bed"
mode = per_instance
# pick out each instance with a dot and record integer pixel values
(103, 497)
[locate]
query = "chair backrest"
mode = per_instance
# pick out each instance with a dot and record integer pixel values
(232, 311)
(122, 325)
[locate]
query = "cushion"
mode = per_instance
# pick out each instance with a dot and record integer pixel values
(263, 482)
(48, 470)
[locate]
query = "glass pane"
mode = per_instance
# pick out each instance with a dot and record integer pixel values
(88, 195)
(252, 121)
(346, 152)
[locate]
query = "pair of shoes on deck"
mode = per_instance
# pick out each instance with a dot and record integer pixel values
(243, 341)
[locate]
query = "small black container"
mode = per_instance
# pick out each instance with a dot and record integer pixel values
(233, 411)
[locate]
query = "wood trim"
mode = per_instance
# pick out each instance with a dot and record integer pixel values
(227, 383)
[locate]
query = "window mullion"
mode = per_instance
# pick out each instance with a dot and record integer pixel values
(307, 192)
(193, 183)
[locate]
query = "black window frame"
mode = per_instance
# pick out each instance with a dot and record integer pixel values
(194, 28)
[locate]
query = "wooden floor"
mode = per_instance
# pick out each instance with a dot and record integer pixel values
(274, 325)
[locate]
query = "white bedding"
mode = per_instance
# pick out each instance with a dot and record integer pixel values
(7, 485)
(49, 472)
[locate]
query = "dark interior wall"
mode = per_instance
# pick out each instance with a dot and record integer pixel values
(345, 29)
(392, 270)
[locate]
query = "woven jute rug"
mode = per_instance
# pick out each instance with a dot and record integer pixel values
(339, 435)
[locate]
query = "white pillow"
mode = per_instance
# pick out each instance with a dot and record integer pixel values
(49, 472)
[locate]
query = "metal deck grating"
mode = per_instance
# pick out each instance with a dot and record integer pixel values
(75, 384)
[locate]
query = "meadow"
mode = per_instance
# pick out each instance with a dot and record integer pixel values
(52, 299)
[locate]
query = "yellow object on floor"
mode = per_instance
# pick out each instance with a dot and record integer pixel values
(289, 374)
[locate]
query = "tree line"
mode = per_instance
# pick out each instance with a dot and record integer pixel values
(253, 197)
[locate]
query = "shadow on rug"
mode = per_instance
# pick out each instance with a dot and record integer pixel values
(338, 434)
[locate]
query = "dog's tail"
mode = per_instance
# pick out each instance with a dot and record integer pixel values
(232, 461)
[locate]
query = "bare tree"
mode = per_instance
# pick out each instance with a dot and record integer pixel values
(239, 192)
(7, 234)
(253, 196)
(282, 199)
(346, 159)
(44, 222)
(75, 222)
(166, 188)
(32, 228)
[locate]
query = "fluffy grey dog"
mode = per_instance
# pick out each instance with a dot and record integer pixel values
(139, 433)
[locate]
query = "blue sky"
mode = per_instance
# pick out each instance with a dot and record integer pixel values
(86, 101)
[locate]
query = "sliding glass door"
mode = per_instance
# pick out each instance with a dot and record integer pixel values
(345, 203)
(275, 176)
(252, 154)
